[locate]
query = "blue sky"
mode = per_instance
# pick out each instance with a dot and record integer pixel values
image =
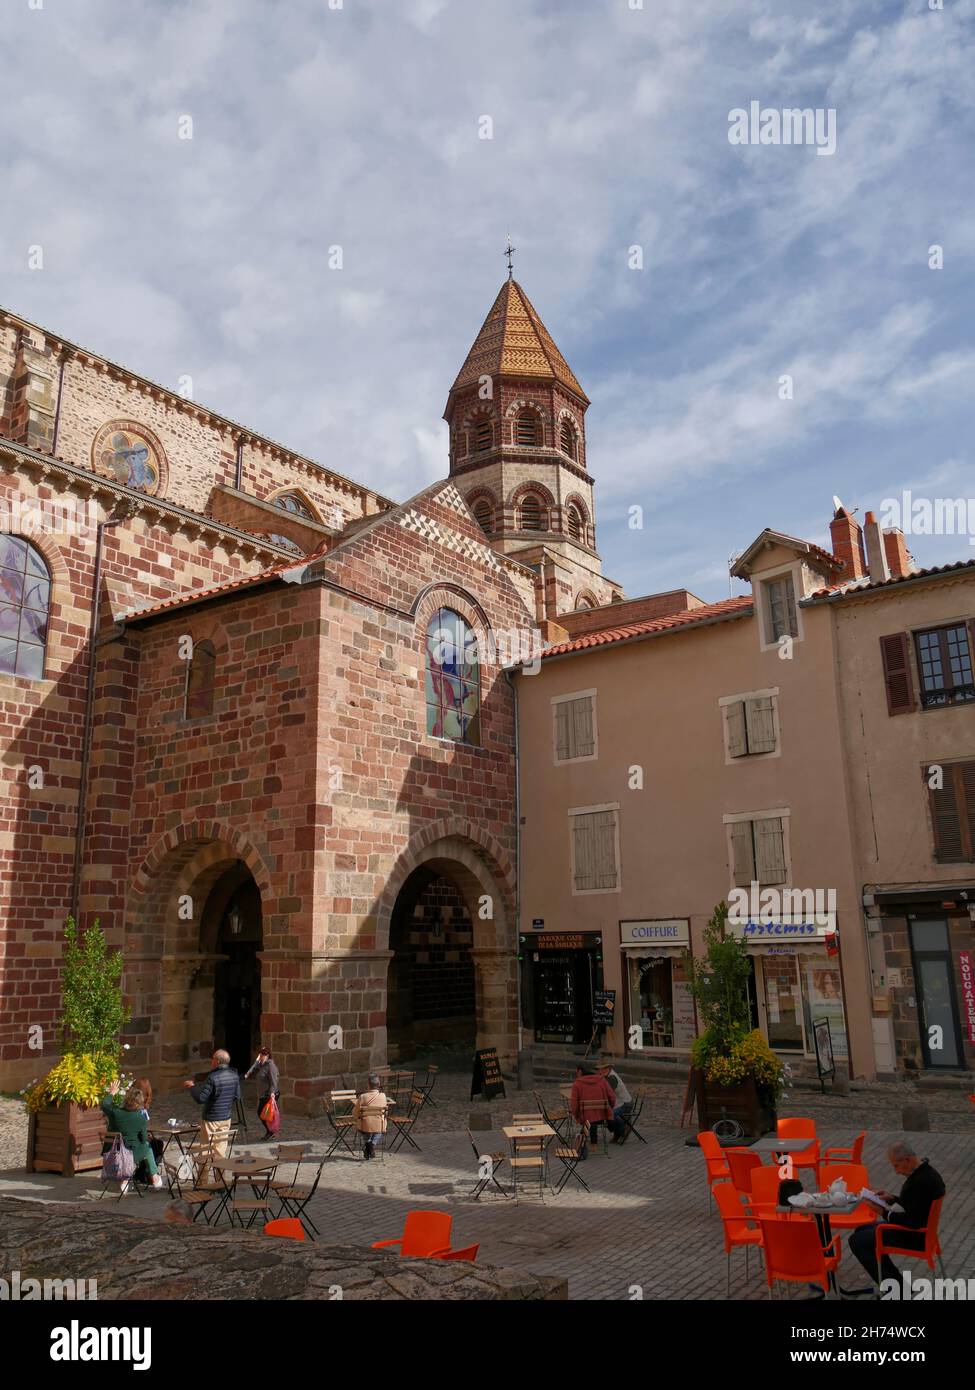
(358, 127)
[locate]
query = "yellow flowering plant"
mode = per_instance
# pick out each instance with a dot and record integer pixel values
(80, 1077)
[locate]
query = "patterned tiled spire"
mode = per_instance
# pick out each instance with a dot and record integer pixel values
(514, 340)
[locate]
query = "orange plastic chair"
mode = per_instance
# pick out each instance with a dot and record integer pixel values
(794, 1254)
(287, 1226)
(887, 1241)
(846, 1153)
(466, 1252)
(423, 1233)
(855, 1176)
(714, 1158)
(741, 1165)
(739, 1232)
(801, 1129)
(764, 1187)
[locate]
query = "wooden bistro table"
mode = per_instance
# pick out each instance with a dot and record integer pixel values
(231, 1171)
(174, 1134)
(538, 1130)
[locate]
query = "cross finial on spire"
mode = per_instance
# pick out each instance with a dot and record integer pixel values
(509, 252)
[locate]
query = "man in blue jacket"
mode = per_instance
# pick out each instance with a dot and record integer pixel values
(217, 1095)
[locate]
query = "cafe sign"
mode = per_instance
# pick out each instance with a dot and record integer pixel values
(658, 931)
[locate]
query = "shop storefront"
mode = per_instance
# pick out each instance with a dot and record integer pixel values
(659, 1006)
(797, 982)
(560, 973)
(929, 940)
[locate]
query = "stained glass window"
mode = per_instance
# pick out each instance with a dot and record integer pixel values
(130, 460)
(25, 598)
(291, 502)
(200, 681)
(452, 684)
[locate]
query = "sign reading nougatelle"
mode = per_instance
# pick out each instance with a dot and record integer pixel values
(674, 931)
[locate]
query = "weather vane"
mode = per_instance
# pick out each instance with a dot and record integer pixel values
(509, 252)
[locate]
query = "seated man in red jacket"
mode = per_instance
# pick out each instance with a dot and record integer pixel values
(593, 1099)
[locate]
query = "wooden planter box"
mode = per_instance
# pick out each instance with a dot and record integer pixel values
(739, 1103)
(66, 1139)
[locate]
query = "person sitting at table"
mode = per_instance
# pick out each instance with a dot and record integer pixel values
(372, 1127)
(128, 1120)
(592, 1101)
(624, 1101)
(145, 1086)
(907, 1217)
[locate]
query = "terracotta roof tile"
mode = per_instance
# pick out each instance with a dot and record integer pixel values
(694, 617)
(860, 587)
(514, 340)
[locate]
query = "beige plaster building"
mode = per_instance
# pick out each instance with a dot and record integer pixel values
(675, 754)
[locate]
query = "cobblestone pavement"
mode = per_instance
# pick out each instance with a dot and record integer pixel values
(643, 1230)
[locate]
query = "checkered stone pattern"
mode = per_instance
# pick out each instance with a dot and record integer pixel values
(449, 497)
(436, 534)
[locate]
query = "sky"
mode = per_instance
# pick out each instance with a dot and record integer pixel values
(360, 124)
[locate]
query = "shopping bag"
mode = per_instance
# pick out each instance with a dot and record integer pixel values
(119, 1163)
(270, 1115)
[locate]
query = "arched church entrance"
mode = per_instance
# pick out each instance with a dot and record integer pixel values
(232, 920)
(431, 995)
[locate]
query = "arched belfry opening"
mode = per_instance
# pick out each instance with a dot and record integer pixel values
(431, 983)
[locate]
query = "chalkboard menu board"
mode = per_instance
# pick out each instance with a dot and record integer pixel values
(604, 1008)
(487, 1079)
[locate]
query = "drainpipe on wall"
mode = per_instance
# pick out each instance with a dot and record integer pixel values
(57, 408)
(89, 714)
(239, 473)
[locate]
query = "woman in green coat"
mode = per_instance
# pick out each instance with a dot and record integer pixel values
(128, 1120)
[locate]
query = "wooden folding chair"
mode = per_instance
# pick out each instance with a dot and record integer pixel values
(493, 1162)
(570, 1156)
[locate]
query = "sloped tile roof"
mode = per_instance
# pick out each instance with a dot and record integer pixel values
(738, 607)
(514, 340)
(864, 586)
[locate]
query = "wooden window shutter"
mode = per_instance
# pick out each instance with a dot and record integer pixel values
(760, 723)
(605, 844)
(946, 816)
(743, 856)
(896, 653)
(737, 740)
(790, 599)
(583, 838)
(965, 776)
(583, 742)
(563, 747)
(769, 850)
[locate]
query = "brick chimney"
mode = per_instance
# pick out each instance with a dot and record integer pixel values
(846, 539)
(899, 560)
(876, 549)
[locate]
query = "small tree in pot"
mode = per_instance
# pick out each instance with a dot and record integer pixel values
(67, 1124)
(738, 1075)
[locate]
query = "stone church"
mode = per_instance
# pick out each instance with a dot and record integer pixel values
(257, 718)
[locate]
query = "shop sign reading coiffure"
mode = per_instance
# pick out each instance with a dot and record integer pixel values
(662, 931)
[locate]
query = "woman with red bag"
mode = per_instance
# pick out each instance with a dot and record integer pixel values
(265, 1069)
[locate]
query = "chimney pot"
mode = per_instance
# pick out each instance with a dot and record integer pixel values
(846, 539)
(876, 550)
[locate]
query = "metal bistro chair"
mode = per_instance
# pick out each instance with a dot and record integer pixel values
(426, 1084)
(294, 1200)
(560, 1120)
(401, 1126)
(338, 1115)
(258, 1202)
(570, 1156)
(494, 1161)
(198, 1198)
(636, 1110)
(593, 1112)
(526, 1158)
(375, 1112)
(125, 1185)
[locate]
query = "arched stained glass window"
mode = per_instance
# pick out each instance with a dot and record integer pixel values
(452, 684)
(291, 502)
(201, 680)
(25, 601)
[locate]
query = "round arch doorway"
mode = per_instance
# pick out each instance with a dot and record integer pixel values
(431, 995)
(232, 922)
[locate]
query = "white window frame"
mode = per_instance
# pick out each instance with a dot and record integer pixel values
(613, 806)
(779, 813)
(773, 694)
(769, 643)
(561, 700)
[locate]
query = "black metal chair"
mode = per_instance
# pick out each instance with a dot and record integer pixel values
(630, 1118)
(492, 1161)
(195, 1197)
(570, 1156)
(426, 1085)
(294, 1200)
(560, 1120)
(338, 1116)
(401, 1126)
